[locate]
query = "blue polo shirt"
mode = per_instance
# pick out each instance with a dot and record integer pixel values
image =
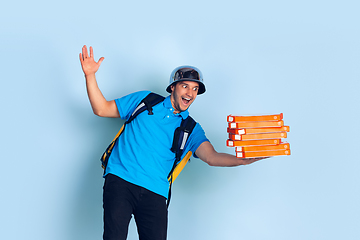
(142, 155)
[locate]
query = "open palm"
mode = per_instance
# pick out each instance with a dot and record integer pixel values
(88, 64)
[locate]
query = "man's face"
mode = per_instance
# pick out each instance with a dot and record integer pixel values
(183, 95)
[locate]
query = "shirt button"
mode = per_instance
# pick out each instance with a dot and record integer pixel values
(167, 116)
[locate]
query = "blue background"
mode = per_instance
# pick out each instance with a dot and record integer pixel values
(296, 57)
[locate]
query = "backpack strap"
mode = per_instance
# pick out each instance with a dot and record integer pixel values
(147, 103)
(181, 136)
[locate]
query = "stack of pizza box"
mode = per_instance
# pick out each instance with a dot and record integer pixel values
(258, 136)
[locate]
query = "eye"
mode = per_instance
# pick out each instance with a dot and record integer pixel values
(195, 89)
(184, 86)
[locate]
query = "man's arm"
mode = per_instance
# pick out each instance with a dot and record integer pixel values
(99, 104)
(207, 153)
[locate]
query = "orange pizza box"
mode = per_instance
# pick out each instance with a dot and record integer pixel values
(281, 146)
(274, 117)
(231, 143)
(269, 153)
(257, 136)
(240, 131)
(264, 124)
(236, 131)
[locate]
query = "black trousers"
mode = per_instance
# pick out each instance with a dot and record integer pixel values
(122, 199)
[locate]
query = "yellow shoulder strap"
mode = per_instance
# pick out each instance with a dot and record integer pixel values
(120, 131)
(111, 146)
(179, 167)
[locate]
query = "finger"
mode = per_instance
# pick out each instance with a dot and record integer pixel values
(81, 57)
(91, 52)
(257, 158)
(84, 51)
(100, 60)
(260, 158)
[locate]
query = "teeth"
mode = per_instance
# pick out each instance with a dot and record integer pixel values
(188, 99)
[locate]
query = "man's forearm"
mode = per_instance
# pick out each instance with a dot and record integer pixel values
(226, 160)
(207, 153)
(96, 98)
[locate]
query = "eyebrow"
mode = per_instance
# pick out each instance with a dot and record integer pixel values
(197, 86)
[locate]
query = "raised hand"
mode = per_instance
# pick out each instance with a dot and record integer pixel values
(88, 64)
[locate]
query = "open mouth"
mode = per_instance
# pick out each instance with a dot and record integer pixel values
(186, 101)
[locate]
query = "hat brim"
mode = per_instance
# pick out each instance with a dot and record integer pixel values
(201, 85)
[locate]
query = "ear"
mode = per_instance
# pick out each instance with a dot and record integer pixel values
(172, 87)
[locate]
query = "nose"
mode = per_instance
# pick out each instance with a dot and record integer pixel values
(190, 92)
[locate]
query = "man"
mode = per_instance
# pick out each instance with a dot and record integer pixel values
(136, 174)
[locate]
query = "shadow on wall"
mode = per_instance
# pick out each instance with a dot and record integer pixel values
(86, 208)
(86, 213)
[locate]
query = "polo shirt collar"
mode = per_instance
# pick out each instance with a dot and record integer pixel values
(168, 105)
